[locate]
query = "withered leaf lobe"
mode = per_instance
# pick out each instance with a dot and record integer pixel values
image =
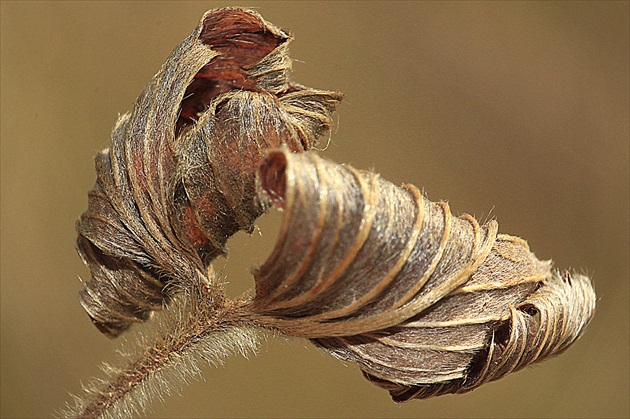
(424, 302)
(178, 179)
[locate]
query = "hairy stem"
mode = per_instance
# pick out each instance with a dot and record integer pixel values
(191, 332)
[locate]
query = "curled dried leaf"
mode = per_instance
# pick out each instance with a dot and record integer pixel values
(424, 302)
(178, 179)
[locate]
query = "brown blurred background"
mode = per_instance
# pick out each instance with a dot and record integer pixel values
(517, 111)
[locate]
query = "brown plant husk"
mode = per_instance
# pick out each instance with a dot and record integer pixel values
(426, 303)
(178, 180)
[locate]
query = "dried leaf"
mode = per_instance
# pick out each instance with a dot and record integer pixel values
(178, 179)
(426, 303)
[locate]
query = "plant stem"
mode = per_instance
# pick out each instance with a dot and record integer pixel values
(189, 332)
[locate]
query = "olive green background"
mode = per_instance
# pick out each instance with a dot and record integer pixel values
(517, 111)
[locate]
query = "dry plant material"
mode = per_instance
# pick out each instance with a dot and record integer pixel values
(178, 180)
(424, 302)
